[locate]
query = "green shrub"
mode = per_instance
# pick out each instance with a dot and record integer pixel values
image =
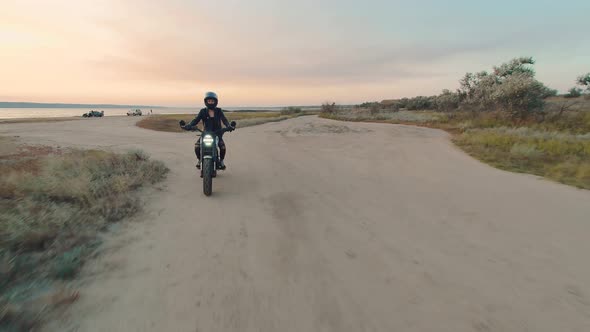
(574, 93)
(511, 88)
(291, 110)
(447, 101)
(329, 108)
(369, 104)
(584, 80)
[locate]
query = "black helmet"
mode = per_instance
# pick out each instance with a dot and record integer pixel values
(211, 95)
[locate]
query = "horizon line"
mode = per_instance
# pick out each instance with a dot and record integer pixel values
(21, 104)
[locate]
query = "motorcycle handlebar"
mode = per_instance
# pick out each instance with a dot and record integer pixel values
(218, 132)
(221, 131)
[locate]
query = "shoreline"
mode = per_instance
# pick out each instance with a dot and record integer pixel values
(69, 118)
(26, 120)
(48, 119)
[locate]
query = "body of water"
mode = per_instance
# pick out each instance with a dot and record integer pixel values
(27, 113)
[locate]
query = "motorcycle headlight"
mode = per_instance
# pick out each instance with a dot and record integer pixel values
(208, 140)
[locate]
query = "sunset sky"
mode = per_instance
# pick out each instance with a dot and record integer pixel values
(263, 52)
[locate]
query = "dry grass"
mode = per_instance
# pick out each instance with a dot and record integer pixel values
(169, 122)
(556, 147)
(556, 155)
(581, 103)
(53, 203)
(358, 114)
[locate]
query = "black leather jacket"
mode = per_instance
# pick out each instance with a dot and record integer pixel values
(210, 123)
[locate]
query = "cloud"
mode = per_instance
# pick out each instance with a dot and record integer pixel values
(169, 58)
(115, 50)
(181, 43)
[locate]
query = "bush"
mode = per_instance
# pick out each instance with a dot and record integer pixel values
(420, 103)
(476, 91)
(290, 110)
(584, 80)
(520, 95)
(447, 101)
(374, 108)
(511, 88)
(520, 66)
(329, 108)
(369, 104)
(574, 93)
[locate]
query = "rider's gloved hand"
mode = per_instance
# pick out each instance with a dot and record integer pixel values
(231, 128)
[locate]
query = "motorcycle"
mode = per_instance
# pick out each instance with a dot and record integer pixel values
(209, 154)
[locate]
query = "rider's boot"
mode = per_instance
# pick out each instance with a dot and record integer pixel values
(199, 163)
(221, 164)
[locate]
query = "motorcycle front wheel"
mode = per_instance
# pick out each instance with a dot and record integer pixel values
(207, 176)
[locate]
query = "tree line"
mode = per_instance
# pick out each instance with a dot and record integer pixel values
(510, 88)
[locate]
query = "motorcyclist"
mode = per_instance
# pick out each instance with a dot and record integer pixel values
(212, 117)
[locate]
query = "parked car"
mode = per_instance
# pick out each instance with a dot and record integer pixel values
(93, 114)
(134, 112)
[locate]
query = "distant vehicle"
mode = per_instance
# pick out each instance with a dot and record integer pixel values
(93, 114)
(134, 112)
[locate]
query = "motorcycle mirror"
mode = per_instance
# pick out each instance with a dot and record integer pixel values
(182, 123)
(233, 123)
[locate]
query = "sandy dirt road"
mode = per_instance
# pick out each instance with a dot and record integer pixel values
(327, 226)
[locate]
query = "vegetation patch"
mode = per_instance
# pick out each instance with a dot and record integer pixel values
(505, 118)
(555, 155)
(169, 122)
(558, 148)
(53, 204)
